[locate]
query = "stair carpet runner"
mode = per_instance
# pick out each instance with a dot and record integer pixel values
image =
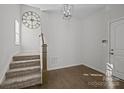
(24, 71)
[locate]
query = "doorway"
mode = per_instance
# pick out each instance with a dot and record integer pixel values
(117, 47)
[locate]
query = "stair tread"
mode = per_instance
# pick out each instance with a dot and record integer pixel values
(28, 53)
(24, 61)
(23, 69)
(27, 56)
(22, 78)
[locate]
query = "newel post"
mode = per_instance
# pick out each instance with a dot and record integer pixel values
(44, 60)
(44, 63)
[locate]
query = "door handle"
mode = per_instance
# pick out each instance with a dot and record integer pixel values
(111, 53)
(112, 49)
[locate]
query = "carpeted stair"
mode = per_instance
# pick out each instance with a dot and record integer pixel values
(24, 71)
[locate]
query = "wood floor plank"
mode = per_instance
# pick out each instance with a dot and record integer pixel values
(77, 77)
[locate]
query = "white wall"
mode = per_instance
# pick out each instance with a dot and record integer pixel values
(76, 42)
(94, 52)
(7, 36)
(63, 38)
(115, 11)
(30, 37)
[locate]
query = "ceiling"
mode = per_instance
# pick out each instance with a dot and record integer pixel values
(79, 10)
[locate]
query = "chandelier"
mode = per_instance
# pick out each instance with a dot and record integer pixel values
(67, 11)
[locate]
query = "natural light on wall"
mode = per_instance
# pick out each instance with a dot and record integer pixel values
(17, 33)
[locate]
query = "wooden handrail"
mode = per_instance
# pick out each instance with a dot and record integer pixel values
(42, 37)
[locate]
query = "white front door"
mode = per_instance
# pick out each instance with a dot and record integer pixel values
(117, 48)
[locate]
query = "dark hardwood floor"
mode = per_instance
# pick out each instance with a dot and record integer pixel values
(78, 77)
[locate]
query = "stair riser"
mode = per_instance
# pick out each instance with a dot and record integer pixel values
(21, 73)
(19, 58)
(26, 64)
(22, 84)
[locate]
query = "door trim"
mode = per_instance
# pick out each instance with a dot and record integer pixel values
(117, 19)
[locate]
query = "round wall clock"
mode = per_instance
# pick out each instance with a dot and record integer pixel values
(31, 20)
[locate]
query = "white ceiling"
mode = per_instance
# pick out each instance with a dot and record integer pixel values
(79, 10)
(47, 6)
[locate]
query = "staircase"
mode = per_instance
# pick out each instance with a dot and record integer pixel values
(23, 72)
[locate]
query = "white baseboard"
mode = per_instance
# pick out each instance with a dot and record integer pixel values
(60, 67)
(99, 70)
(2, 78)
(2, 75)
